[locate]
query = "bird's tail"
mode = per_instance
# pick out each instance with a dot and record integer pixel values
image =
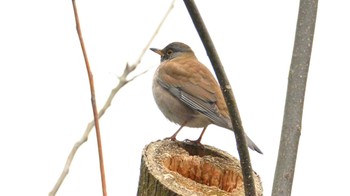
(252, 145)
(228, 125)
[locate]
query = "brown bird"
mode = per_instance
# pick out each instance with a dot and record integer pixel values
(187, 93)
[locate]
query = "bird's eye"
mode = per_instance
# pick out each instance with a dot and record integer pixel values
(169, 52)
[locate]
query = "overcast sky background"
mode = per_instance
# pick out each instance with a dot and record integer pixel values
(45, 96)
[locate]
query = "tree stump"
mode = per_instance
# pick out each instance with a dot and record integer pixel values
(182, 168)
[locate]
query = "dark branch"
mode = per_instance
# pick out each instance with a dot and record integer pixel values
(249, 184)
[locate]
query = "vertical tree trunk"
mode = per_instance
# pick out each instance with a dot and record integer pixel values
(293, 111)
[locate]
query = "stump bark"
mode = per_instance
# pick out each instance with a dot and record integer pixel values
(180, 168)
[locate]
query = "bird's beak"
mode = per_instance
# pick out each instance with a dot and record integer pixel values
(160, 52)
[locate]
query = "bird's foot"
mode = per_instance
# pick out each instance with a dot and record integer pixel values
(194, 142)
(172, 138)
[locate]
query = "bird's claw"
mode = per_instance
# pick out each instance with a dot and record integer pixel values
(194, 142)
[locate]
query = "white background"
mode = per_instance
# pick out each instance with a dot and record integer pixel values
(45, 98)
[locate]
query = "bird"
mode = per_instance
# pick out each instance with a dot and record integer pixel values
(188, 94)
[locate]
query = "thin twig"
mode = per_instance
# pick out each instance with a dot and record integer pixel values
(154, 34)
(93, 101)
(122, 82)
(249, 184)
(293, 111)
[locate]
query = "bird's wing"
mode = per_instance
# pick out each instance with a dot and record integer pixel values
(193, 84)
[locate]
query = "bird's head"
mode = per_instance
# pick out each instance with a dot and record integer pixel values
(173, 50)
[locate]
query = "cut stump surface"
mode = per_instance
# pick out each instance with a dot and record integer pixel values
(181, 168)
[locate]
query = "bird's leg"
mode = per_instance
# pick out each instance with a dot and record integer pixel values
(198, 141)
(173, 137)
(200, 137)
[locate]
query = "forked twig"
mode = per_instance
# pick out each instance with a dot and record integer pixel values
(122, 82)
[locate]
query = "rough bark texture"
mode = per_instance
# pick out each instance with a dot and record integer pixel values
(180, 168)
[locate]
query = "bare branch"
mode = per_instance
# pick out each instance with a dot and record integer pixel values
(93, 100)
(249, 184)
(293, 110)
(122, 82)
(138, 61)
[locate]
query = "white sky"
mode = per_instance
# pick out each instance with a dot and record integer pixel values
(45, 103)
